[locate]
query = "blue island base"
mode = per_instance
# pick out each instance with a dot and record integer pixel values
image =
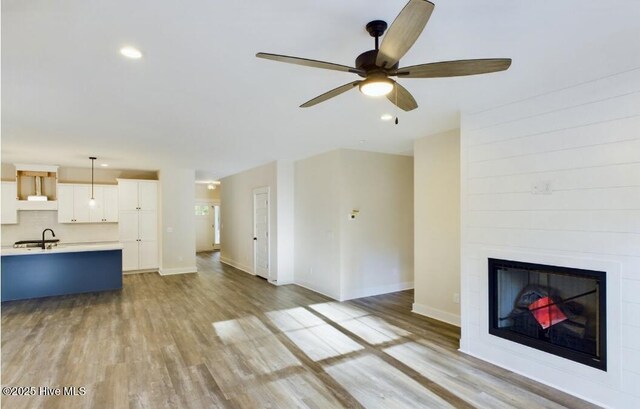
(44, 275)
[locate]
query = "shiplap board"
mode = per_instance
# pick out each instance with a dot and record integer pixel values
(620, 152)
(587, 135)
(618, 221)
(613, 175)
(584, 142)
(596, 90)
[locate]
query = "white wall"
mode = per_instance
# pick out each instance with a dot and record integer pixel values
(203, 193)
(236, 212)
(285, 222)
(372, 254)
(437, 226)
(177, 223)
(584, 141)
(376, 248)
(317, 224)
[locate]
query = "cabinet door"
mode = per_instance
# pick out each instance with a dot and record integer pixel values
(148, 254)
(128, 225)
(96, 212)
(9, 206)
(147, 225)
(127, 195)
(148, 195)
(65, 203)
(110, 203)
(130, 256)
(81, 196)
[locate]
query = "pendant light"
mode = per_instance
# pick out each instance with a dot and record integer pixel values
(92, 201)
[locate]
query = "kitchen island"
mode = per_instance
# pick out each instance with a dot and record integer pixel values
(61, 270)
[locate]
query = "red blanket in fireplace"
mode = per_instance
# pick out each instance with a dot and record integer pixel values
(546, 312)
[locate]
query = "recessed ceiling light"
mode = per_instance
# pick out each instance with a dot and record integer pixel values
(131, 52)
(386, 117)
(104, 165)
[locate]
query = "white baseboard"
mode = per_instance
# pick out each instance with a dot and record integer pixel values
(237, 265)
(308, 287)
(177, 270)
(276, 282)
(128, 272)
(378, 290)
(436, 314)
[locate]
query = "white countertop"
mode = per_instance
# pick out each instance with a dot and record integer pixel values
(62, 248)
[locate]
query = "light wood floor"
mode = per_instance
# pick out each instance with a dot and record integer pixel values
(225, 339)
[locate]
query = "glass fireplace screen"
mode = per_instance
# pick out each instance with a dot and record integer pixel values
(559, 310)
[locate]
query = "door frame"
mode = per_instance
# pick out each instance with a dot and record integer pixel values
(256, 191)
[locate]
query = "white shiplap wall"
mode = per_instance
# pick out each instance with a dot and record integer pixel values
(584, 142)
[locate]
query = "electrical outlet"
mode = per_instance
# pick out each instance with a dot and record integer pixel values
(542, 187)
(456, 298)
(180, 258)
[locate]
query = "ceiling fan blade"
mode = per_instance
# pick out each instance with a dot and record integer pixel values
(454, 68)
(328, 95)
(402, 98)
(404, 31)
(309, 63)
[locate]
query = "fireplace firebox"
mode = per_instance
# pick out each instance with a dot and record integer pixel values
(558, 310)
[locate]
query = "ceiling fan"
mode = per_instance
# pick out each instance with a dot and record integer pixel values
(377, 65)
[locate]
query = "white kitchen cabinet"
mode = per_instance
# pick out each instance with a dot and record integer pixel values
(81, 197)
(138, 223)
(106, 208)
(9, 203)
(73, 203)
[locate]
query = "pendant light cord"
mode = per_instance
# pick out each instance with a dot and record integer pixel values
(92, 161)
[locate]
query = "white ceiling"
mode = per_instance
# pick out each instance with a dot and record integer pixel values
(200, 99)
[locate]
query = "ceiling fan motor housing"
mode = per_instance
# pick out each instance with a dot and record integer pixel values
(367, 62)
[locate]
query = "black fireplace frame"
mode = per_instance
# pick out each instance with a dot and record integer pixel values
(564, 352)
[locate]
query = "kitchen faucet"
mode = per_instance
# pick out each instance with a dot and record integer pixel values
(43, 232)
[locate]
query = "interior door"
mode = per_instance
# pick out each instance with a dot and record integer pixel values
(204, 226)
(261, 232)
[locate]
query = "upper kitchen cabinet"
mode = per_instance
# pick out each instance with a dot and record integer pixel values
(106, 208)
(137, 194)
(73, 203)
(9, 208)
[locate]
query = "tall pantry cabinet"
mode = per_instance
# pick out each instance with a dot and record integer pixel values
(138, 223)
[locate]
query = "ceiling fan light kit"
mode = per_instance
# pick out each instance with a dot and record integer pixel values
(377, 86)
(377, 65)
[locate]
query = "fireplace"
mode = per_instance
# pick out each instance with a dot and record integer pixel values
(558, 310)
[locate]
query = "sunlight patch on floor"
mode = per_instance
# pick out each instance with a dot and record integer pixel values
(372, 329)
(317, 339)
(376, 384)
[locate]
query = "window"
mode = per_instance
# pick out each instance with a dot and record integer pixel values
(202, 210)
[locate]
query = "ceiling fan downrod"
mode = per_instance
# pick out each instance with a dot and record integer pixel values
(376, 29)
